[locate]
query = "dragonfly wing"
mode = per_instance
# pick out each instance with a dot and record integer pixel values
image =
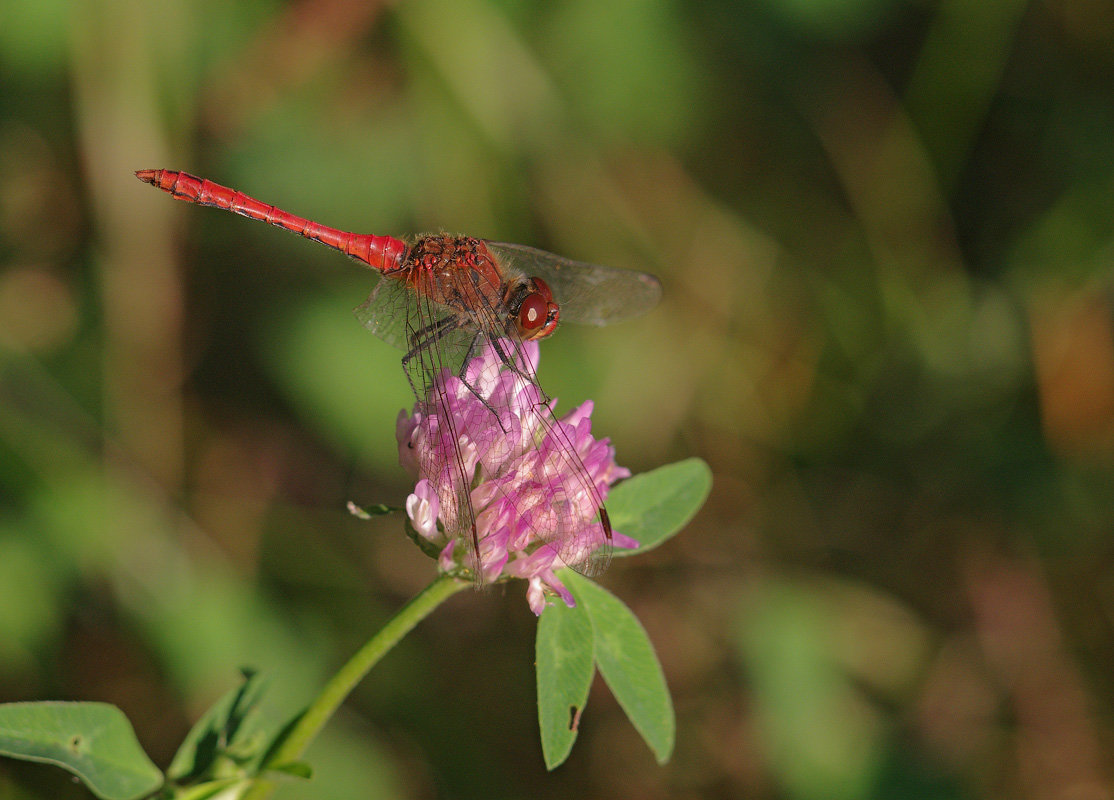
(587, 293)
(386, 312)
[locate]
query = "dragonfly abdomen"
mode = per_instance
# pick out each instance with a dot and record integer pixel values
(381, 253)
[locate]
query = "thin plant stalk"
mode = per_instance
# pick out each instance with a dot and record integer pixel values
(314, 718)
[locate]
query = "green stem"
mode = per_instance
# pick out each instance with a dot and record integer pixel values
(313, 719)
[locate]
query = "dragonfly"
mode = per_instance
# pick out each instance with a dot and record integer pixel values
(443, 299)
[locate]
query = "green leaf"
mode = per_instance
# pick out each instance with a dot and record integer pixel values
(94, 741)
(279, 739)
(212, 789)
(299, 769)
(367, 512)
(566, 666)
(218, 732)
(431, 549)
(627, 661)
(653, 506)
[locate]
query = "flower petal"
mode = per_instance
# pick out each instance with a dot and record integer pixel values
(535, 482)
(422, 507)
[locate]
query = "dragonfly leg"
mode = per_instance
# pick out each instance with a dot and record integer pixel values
(508, 361)
(426, 337)
(420, 341)
(476, 340)
(423, 337)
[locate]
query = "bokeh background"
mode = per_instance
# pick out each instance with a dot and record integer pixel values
(886, 237)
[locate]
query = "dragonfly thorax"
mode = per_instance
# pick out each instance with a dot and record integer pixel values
(461, 273)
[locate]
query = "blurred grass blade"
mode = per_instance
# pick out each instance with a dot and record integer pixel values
(94, 741)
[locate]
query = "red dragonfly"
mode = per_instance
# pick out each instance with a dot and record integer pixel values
(443, 300)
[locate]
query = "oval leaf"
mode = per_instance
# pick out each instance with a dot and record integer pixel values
(653, 506)
(94, 741)
(628, 663)
(566, 666)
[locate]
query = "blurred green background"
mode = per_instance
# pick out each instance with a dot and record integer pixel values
(886, 237)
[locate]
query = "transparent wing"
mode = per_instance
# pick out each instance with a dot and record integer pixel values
(387, 314)
(587, 293)
(432, 336)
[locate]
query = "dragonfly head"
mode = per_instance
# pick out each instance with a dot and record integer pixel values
(534, 311)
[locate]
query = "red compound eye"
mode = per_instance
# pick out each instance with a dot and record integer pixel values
(533, 313)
